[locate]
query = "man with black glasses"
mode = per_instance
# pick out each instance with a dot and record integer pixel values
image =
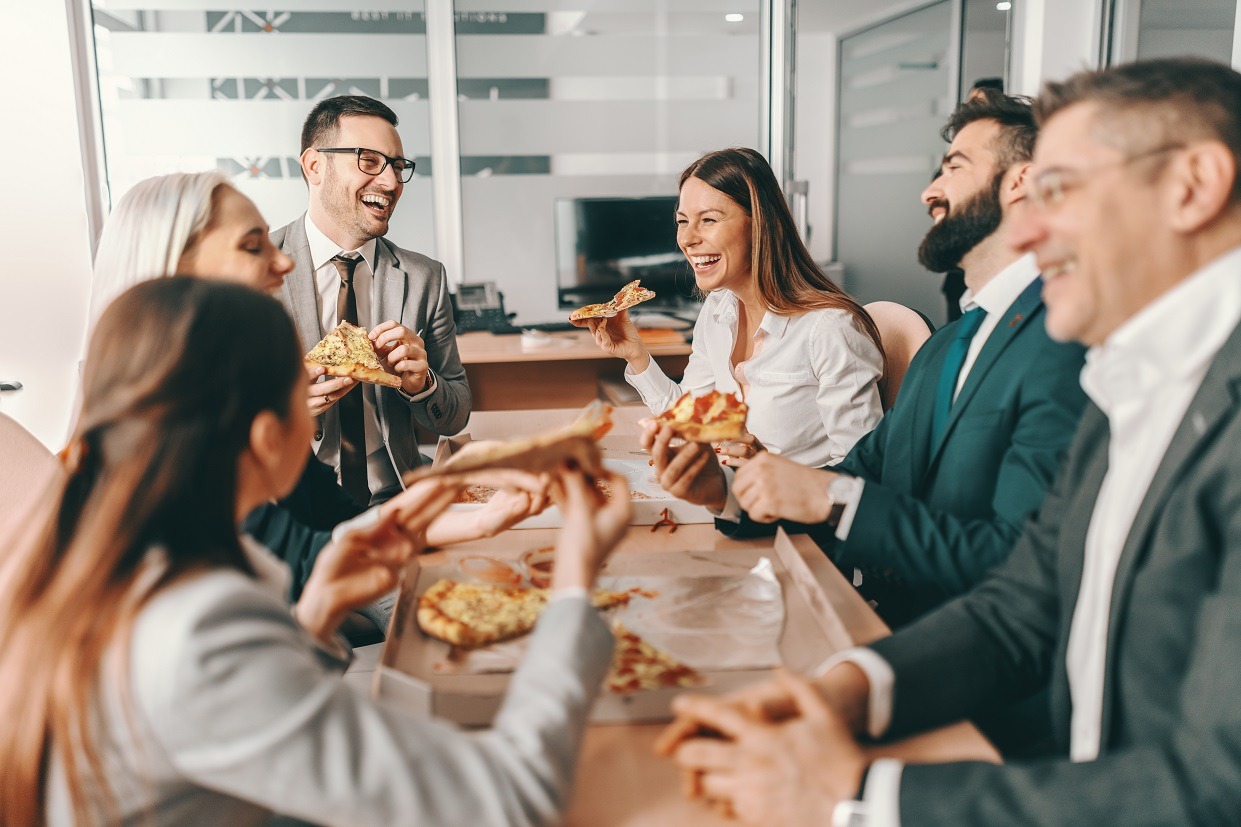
(345, 270)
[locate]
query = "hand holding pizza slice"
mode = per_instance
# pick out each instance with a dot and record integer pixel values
(348, 351)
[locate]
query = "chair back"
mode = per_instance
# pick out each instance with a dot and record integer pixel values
(25, 471)
(902, 332)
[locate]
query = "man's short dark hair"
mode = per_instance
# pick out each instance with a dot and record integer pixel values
(1156, 103)
(1018, 129)
(323, 122)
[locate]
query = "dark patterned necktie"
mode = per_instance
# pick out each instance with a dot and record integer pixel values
(350, 409)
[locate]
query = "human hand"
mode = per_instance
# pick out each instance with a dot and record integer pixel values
(366, 563)
(593, 525)
(737, 452)
(689, 472)
(773, 488)
(791, 772)
(618, 336)
(325, 390)
(406, 354)
(521, 496)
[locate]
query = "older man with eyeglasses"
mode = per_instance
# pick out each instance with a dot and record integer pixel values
(1123, 595)
(345, 270)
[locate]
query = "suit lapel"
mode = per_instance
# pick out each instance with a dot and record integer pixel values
(300, 294)
(1019, 314)
(390, 284)
(1211, 407)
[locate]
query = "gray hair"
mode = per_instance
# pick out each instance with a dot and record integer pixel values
(149, 231)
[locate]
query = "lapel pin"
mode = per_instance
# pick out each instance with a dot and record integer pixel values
(1016, 319)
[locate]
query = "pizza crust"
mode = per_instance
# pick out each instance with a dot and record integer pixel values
(535, 454)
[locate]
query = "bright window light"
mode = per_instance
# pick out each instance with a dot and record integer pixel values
(1004, 6)
(734, 18)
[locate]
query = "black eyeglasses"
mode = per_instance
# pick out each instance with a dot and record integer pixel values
(374, 162)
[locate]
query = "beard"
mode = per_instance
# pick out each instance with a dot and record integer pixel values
(345, 208)
(961, 230)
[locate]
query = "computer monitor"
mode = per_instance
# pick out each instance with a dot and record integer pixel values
(604, 243)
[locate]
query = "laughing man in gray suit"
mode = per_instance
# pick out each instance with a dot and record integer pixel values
(353, 163)
(1124, 594)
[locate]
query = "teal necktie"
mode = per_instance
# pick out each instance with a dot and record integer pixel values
(967, 326)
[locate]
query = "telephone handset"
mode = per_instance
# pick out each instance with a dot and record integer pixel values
(479, 306)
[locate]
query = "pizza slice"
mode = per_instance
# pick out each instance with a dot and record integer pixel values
(470, 615)
(535, 454)
(712, 417)
(348, 351)
(638, 666)
(631, 294)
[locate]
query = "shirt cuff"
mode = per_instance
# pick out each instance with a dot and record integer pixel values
(366, 519)
(881, 796)
(651, 383)
(732, 508)
(851, 506)
(881, 678)
(424, 393)
(570, 593)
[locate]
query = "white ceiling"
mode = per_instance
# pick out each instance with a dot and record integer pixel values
(842, 16)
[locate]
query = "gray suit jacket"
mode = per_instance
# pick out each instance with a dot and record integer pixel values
(236, 714)
(413, 290)
(1171, 739)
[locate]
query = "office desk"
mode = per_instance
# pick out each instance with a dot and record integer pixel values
(505, 376)
(620, 782)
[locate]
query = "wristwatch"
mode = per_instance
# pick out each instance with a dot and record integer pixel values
(839, 493)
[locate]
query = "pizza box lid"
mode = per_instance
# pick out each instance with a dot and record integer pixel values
(822, 615)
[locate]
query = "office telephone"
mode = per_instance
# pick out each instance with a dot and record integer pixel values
(479, 306)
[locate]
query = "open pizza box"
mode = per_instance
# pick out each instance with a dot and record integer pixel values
(786, 604)
(649, 499)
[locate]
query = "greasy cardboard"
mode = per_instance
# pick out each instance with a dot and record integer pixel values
(822, 616)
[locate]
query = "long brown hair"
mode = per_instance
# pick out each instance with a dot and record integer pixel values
(176, 372)
(787, 278)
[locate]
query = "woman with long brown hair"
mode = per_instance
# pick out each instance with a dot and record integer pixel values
(148, 674)
(803, 353)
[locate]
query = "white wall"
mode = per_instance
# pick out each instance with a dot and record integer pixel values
(814, 136)
(45, 281)
(1052, 39)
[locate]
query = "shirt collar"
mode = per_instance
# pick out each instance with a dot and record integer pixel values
(1173, 337)
(998, 295)
(725, 312)
(322, 248)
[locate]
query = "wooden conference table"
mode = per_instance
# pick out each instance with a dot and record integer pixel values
(620, 782)
(563, 372)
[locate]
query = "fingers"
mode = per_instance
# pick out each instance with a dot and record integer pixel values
(660, 449)
(382, 328)
(714, 713)
(809, 703)
(676, 733)
(707, 755)
(407, 351)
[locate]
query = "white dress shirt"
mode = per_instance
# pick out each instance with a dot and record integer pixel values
(813, 379)
(380, 474)
(1143, 379)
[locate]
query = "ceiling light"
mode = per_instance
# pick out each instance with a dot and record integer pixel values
(734, 18)
(1004, 6)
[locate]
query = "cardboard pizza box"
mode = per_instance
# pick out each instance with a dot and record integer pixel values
(822, 614)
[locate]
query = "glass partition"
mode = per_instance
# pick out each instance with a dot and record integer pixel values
(1143, 29)
(184, 87)
(603, 99)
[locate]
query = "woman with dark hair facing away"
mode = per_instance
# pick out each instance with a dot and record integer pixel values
(803, 354)
(149, 675)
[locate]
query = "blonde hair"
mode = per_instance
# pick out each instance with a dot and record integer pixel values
(152, 227)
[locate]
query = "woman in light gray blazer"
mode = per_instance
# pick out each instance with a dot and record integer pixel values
(147, 672)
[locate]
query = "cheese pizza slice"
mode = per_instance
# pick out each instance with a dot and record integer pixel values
(348, 351)
(631, 294)
(638, 666)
